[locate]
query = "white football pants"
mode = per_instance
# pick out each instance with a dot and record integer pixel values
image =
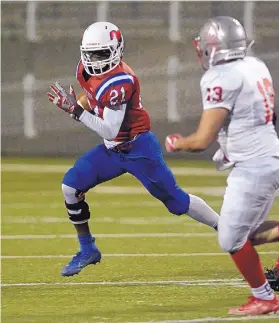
(250, 192)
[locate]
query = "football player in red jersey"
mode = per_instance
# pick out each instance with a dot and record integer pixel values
(116, 113)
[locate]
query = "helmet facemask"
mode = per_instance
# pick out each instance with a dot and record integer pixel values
(205, 58)
(98, 60)
(196, 43)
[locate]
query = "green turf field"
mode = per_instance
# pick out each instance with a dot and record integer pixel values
(156, 267)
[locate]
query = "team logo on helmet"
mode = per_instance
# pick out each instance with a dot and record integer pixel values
(116, 34)
(212, 32)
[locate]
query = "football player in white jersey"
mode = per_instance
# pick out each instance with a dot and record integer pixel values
(238, 107)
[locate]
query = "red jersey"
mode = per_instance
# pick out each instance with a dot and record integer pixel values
(119, 86)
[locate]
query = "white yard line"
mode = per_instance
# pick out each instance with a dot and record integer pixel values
(132, 190)
(108, 235)
(217, 319)
(216, 191)
(129, 255)
(120, 204)
(197, 171)
(157, 221)
(35, 168)
(122, 190)
(106, 219)
(112, 283)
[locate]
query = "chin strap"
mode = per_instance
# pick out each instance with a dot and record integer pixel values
(211, 57)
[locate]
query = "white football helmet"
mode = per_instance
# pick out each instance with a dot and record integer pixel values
(102, 48)
(221, 39)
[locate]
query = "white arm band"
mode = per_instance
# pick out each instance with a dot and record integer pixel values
(109, 126)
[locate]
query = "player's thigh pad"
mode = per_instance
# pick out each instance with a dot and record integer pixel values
(160, 183)
(148, 166)
(247, 198)
(94, 167)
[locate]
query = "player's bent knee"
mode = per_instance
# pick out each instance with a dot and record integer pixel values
(80, 176)
(178, 207)
(78, 209)
(230, 242)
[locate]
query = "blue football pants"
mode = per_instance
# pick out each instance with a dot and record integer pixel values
(144, 161)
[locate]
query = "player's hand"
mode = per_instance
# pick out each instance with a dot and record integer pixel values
(221, 161)
(62, 99)
(170, 141)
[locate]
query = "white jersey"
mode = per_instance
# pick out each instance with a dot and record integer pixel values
(244, 87)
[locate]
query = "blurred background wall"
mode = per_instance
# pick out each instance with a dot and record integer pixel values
(40, 44)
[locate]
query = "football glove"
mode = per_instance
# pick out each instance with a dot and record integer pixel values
(64, 100)
(170, 141)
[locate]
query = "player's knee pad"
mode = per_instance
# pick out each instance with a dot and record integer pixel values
(78, 209)
(178, 206)
(79, 212)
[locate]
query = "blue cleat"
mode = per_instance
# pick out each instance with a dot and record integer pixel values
(81, 260)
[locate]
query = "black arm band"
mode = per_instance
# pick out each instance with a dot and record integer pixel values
(78, 110)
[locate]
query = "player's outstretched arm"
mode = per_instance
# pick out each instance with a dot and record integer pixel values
(210, 124)
(219, 93)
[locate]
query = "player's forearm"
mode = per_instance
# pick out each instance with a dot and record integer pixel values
(210, 124)
(103, 128)
(193, 143)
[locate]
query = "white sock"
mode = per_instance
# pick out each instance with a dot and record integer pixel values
(263, 292)
(202, 212)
